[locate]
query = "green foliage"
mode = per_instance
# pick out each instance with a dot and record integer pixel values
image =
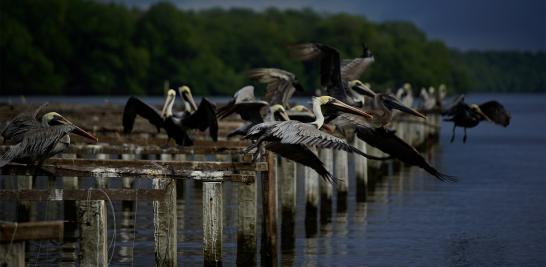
(78, 47)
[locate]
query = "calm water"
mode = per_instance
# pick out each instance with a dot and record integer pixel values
(494, 216)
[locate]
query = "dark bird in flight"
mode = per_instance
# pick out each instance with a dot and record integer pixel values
(40, 141)
(176, 125)
(281, 84)
(470, 115)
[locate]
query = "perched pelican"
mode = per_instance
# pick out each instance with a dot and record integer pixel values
(405, 95)
(386, 141)
(202, 117)
(382, 105)
(281, 84)
(469, 116)
(429, 98)
(295, 135)
(15, 129)
(43, 141)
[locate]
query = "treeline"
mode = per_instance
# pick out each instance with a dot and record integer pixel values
(77, 47)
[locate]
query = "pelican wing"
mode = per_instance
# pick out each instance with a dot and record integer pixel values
(280, 84)
(455, 107)
(496, 112)
(203, 118)
(303, 155)
(15, 130)
(386, 141)
(135, 107)
(245, 104)
(294, 132)
(36, 144)
(352, 69)
(330, 69)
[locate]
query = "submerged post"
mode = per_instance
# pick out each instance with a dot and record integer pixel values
(165, 223)
(93, 224)
(212, 223)
(287, 177)
(326, 188)
(342, 175)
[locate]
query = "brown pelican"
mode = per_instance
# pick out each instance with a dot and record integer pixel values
(281, 84)
(275, 113)
(381, 106)
(245, 104)
(469, 116)
(405, 95)
(15, 129)
(352, 69)
(428, 98)
(386, 141)
(43, 141)
(200, 117)
(290, 138)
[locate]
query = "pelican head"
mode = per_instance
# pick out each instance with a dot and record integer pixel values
(278, 111)
(54, 118)
(361, 88)
(392, 102)
(478, 110)
(185, 93)
(169, 103)
(330, 102)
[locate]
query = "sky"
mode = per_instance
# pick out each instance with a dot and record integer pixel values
(462, 24)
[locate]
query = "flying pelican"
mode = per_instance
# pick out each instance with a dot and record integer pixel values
(386, 141)
(469, 116)
(39, 143)
(382, 105)
(176, 125)
(281, 84)
(352, 69)
(15, 129)
(276, 136)
(245, 104)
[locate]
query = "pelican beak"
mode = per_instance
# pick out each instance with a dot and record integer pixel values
(188, 97)
(394, 104)
(336, 104)
(58, 120)
(364, 90)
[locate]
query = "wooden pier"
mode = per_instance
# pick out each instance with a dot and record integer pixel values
(145, 155)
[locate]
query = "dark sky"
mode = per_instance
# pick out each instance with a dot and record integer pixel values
(463, 24)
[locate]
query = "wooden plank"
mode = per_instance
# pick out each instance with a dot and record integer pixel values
(81, 194)
(165, 223)
(139, 140)
(212, 223)
(93, 248)
(45, 230)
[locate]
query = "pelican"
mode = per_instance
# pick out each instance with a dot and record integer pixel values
(245, 104)
(352, 69)
(176, 125)
(387, 141)
(405, 95)
(15, 129)
(43, 140)
(281, 84)
(301, 113)
(290, 138)
(429, 98)
(382, 105)
(469, 116)
(275, 113)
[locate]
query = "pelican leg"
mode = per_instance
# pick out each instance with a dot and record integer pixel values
(452, 134)
(464, 137)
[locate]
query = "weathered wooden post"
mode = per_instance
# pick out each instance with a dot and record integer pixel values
(326, 188)
(24, 208)
(93, 224)
(165, 226)
(212, 223)
(361, 171)
(311, 201)
(287, 177)
(102, 182)
(70, 217)
(342, 174)
(12, 254)
(269, 203)
(247, 220)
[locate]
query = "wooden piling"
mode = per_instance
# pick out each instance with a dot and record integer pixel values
(70, 211)
(93, 224)
(361, 171)
(342, 175)
(246, 230)
(24, 208)
(165, 226)
(269, 203)
(12, 254)
(102, 182)
(326, 188)
(311, 201)
(287, 177)
(212, 223)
